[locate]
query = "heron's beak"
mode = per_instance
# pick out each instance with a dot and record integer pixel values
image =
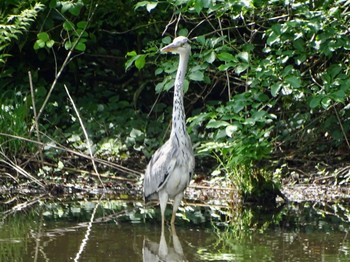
(169, 48)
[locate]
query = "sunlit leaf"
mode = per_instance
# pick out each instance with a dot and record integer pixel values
(275, 88)
(216, 123)
(244, 56)
(326, 102)
(50, 43)
(68, 45)
(230, 129)
(140, 61)
(210, 58)
(241, 68)
(151, 5)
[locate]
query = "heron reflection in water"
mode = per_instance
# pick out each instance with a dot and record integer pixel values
(154, 252)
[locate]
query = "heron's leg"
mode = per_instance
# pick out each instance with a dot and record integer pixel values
(163, 200)
(163, 247)
(176, 204)
(176, 241)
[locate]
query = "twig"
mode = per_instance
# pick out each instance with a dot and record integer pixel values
(341, 127)
(89, 146)
(226, 72)
(81, 171)
(80, 154)
(63, 66)
(177, 24)
(20, 170)
(35, 115)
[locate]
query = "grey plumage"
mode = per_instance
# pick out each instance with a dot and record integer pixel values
(171, 168)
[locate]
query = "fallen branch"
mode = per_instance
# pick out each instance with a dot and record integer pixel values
(57, 146)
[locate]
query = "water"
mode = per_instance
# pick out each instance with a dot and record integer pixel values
(59, 231)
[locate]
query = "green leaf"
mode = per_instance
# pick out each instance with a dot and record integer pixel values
(186, 85)
(339, 96)
(166, 40)
(273, 38)
(158, 71)
(275, 88)
(68, 45)
(151, 5)
(50, 43)
(65, 6)
(140, 61)
(287, 70)
(294, 81)
(183, 32)
(43, 36)
(53, 4)
(148, 4)
(326, 102)
(196, 76)
(216, 123)
(75, 10)
(244, 56)
(80, 46)
(230, 129)
(39, 44)
(241, 68)
(210, 58)
(82, 24)
(315, 101)
(259, 115)
(334, 70)
(227, 57)
(299, 44)
(68, 26)
(131, 53)
(226, 66)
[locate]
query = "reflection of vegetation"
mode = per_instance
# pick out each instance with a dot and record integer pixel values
(14, 232)
(244, 220)
(323, 217)
(234, 235)
(241, 233)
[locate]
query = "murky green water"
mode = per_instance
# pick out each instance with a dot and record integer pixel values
(60, 232)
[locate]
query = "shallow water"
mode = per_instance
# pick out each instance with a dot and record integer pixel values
(56, 232)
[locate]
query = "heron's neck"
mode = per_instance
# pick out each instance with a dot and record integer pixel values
(178, 121)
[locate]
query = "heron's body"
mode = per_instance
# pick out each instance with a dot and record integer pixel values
(171, 167)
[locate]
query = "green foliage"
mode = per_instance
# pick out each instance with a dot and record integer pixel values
(12, 25)
(284, 68)
(13, 120)
(264, 77)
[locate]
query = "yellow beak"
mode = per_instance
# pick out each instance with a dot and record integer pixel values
(168, 48)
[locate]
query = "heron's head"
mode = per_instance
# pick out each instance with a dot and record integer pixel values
(179, 45)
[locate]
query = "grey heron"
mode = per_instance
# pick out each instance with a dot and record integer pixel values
(171, 167)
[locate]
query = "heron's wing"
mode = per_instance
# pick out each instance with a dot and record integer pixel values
(161, 165)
